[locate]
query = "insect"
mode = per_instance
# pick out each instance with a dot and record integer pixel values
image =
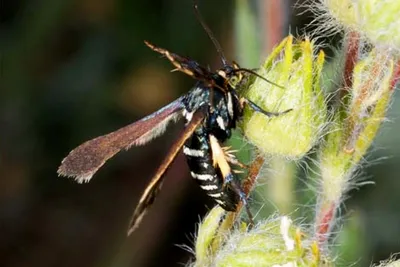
(211, 110)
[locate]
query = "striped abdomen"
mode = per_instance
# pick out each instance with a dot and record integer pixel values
(198, 153)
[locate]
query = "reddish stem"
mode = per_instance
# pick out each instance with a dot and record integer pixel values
(327, 212)
(396, 76)
(352, 47)
(254, 170)
(273, 15)
(327, 216)
(250, 181)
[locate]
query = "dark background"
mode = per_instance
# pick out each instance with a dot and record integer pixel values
(73, 70)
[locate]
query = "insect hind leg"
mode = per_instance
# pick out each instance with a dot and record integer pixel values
(231, 187)
(233, 184)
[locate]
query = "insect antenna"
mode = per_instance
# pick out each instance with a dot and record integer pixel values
(259, 76)
(209, 33)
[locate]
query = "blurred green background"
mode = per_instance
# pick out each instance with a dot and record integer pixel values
(73, 70)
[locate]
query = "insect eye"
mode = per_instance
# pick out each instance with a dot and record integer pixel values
(233, 80)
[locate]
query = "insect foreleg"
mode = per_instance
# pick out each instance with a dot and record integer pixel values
(257, 108)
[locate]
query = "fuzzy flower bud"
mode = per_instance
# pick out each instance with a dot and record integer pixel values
(292, 134)
(354, 129)
(389, 263)
(377, 20)
(211, 234)
(275, 242)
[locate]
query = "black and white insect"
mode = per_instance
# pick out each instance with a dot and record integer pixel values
(211, 110)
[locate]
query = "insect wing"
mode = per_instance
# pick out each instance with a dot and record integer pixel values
(84, 161)
(154, 186)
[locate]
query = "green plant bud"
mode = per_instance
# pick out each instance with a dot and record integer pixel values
(211, 234)
(378, 20)
(370, 97)
(389, 263)
(275, 242)
(297, 70)
(356, 126)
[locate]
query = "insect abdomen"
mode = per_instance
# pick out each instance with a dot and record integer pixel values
(198, 153)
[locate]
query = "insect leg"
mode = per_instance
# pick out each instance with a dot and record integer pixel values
(232, 159)
(180, 63)
(243, 198)
(187, 66)
(257, 108)
(220, 160)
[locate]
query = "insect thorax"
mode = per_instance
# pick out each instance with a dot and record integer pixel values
(220, 119)
(223, 109)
